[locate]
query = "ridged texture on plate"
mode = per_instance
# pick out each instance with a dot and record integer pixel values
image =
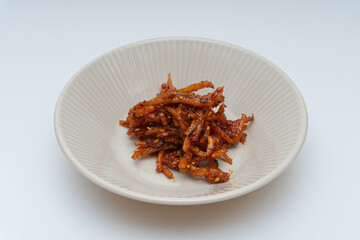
(102, 92)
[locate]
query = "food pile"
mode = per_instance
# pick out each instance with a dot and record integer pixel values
(185, 131)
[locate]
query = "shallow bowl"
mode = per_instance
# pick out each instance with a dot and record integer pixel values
(100, 94)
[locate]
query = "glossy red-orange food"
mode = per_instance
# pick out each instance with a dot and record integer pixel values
(184, 130)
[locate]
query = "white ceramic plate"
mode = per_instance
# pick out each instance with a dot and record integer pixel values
(101, 93)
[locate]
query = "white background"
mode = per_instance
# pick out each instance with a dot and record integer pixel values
(43, 44)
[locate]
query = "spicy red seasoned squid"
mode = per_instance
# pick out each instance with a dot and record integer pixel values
(186, 131)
